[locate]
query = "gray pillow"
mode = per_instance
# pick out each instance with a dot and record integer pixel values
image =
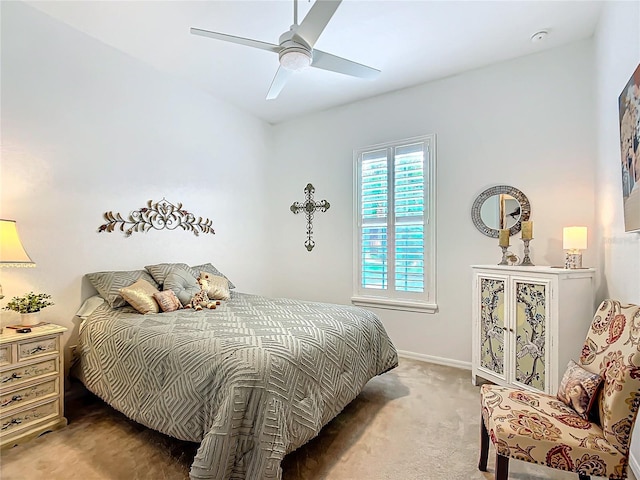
(108, 284)
(183, 284)
(160, 271)
(207, 267)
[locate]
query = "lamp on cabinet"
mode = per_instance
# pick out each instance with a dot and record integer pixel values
(574, 239)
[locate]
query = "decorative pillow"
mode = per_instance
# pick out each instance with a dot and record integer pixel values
(183, 284)
(108, 284)
(578, 388)
(168, 301)
(160, 271)
(140, 296)
(217, 287)
(207, 267)
(89, 306)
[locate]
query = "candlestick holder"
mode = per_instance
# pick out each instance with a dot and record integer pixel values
(526, 261)
(505, 256)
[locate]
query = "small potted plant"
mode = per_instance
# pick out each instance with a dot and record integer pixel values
(29, 306)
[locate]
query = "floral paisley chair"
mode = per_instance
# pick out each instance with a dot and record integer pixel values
(543, 429)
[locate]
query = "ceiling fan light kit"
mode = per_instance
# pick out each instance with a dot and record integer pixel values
(295, 49)
(293, 55)
(295, 59)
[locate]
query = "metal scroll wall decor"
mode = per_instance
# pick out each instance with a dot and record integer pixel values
(309, 207)
(157, 216)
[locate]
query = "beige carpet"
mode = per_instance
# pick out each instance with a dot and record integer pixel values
(419, 421)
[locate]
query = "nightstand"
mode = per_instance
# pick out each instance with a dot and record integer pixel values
(31, 384)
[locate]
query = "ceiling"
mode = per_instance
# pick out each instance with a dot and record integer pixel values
(412, 42)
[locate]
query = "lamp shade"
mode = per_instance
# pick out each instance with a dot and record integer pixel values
(12, 253)
(574, 238)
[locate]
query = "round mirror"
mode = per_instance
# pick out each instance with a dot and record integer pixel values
(500, 207)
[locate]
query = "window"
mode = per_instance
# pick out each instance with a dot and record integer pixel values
(394, 242)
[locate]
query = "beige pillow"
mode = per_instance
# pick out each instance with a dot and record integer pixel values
(168, 301)
(140, 296)
(217, 287)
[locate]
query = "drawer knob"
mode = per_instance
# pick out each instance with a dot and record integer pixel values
(14, 376)
(15, 398)
(14, 421)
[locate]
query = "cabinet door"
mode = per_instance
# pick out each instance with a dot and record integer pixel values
(492, 325)
(531, 319)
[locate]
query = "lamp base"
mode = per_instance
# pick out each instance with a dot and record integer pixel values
(573, 260)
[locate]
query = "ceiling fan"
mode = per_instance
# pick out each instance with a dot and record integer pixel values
(295, 48)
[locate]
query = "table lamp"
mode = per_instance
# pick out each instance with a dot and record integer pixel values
(574, 239)
(12, 253)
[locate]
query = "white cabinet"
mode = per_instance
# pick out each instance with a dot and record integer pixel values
(528, 322)
(31, 384)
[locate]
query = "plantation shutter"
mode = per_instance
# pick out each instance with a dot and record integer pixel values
(375, 208)
(409, 218)
(392, 179)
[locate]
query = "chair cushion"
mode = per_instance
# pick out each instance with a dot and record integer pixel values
(612, 350)
(539, 428)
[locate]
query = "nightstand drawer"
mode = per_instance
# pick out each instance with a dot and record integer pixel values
(5, 355)
(30, 416)
(23, 396)
(25, 373)
(36, 347)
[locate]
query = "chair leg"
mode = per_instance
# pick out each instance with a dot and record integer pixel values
(502, 467)
(584, 477)
(484, 446)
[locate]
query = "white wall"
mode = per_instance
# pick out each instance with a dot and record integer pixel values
(527, 123)
(617, 56)
(87, 129)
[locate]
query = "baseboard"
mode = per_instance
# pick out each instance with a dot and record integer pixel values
(449, 362)
(634, 463)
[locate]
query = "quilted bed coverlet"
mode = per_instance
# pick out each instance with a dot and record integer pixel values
(251, 381)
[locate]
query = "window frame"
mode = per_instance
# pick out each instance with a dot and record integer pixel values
(386, 298)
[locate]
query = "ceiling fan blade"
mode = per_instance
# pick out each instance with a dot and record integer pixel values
(316, 20)
(233, 39)
(282, 75)
(326, 61)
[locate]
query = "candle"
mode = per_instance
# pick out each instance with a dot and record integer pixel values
(527, 229)
(504, 238)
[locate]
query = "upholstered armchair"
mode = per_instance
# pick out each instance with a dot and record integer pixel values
(591, 438)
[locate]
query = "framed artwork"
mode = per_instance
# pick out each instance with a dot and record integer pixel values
(629, 110)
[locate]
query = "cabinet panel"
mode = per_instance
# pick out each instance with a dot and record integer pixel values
(36, 347)
(26, 418)
(24, 373)
(5, 355)
(492, 324)
(530, 330)
(23, 396)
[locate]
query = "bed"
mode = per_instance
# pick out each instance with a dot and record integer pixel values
(251, 380)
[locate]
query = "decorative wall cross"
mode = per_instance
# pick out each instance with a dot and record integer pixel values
(309, 207)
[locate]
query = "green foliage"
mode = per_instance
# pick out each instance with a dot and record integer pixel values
(29, 303)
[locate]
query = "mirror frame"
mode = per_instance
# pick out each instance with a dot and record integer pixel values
(525, 209)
